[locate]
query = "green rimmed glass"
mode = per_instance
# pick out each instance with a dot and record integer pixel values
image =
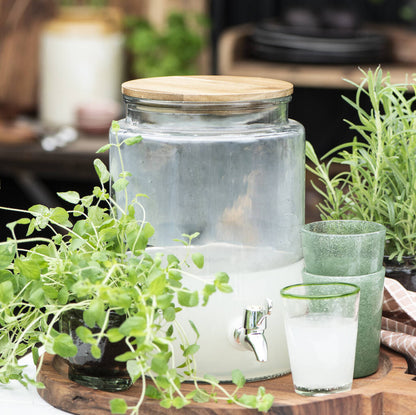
(369, 316)
(343, 247)
(321, 323)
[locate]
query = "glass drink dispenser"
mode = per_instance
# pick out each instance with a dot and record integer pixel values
(219, 156)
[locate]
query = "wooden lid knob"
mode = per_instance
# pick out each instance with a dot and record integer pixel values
(206, 88)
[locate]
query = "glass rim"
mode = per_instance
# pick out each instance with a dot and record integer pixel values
(379, 228)
(354, 290)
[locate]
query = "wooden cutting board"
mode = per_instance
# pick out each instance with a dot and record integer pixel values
(389, 391)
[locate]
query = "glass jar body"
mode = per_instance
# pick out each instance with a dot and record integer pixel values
(234, 173)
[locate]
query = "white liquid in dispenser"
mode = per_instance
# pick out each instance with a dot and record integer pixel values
(255, 275)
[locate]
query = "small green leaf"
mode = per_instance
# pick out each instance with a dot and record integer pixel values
(132, 140)
(95, 351)
(159, 365)
(64, 346)
(238, 378)
(29, 269)
(57, 239)
(35, 355)
(222, 278)
(95, 314)
(163, 301)
(169, 314)
(198, 260)
(179, 402)
(118, 406)
(133, 326)
(190, 350)
(37, 297)
(249, 400)
(157, 286)
(60, 216)
(166, 403)
(225, 288)
(192, 324)
(199, 396)
(188, 298)
(120, 184)
(221, 282)
(208, 290)
(115, 126)
(63, 296)
(102, 171)
(71, 197)
(264, 402)
(114, 335)
(7, 253)
(169, 331)
(125, 357)
(134, 370)
(104, 148)
(6, 292)
(85, 334)
(87, 201)
(172, 260)
(152, 392)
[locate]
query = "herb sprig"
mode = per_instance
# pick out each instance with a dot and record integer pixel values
(96, 261)
(379, 180)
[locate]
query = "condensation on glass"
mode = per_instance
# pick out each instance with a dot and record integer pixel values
(220, 156)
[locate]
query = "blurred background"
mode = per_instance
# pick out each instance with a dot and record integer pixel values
(62, 62)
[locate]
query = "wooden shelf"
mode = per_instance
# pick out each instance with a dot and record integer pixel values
(233, 59)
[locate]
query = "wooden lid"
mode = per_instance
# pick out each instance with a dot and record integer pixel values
(83, 20)
(206, 88)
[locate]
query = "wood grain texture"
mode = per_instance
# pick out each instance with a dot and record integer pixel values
(208, 88)
(390, 391)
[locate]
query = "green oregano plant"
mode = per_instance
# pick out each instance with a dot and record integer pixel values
(378, 181)
(96, 262)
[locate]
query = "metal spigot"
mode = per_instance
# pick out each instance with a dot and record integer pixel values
(251, 335)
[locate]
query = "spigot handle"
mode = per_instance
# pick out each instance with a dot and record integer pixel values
(267, 311)
(255, 316)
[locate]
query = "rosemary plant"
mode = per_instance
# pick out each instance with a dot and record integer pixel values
(378, 182)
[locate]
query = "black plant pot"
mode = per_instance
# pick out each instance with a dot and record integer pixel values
(403, 272)
(104, 373)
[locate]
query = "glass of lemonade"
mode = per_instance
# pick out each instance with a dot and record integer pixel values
(321, 323)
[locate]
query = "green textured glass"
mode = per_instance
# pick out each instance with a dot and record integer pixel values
(343, 247)
(369, 317)
(321, 331)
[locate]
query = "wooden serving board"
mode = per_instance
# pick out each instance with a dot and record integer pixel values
(389, 391)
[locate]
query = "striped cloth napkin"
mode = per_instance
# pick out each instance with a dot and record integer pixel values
(398, 323)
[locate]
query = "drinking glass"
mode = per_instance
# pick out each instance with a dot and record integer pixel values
(369, 316)
(343, 247)
(321, 330)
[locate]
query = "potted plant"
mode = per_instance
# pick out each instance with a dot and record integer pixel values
(95, 267)
(166, 52)
(378, 179)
